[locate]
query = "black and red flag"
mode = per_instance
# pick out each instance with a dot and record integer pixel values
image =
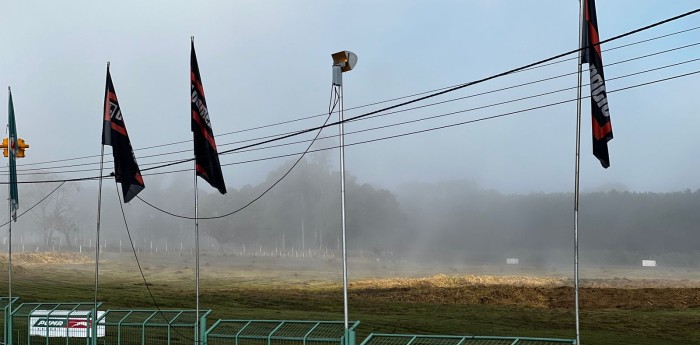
(126, 171)
(206, 157)
(602, 128)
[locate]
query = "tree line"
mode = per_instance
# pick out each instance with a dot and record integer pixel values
(450, 221)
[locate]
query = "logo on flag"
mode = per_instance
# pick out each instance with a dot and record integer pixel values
(602, 128)
(206, 157)
(126, 171)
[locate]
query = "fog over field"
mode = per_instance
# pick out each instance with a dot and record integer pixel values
(470, 177)
(451, 222)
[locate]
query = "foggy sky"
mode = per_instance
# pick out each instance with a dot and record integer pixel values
(266, 62)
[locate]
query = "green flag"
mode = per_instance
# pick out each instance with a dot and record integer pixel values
(12, 149)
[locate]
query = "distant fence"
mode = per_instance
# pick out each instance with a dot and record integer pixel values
(408, 339)
(268, 332)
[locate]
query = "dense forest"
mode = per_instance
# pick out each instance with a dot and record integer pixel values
(450, 221)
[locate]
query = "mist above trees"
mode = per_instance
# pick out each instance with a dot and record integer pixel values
(450, 221)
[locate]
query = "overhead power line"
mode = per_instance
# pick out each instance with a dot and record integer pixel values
(425, 130)
(37, 203)
(46, 171)
(380, 102)
(49, 170)
(417, 99)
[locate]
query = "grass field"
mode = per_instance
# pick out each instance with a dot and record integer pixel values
(618, 306)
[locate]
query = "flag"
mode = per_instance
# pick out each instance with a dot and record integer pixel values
(126, 171)
(206, 157)
(602, 128)
(12, 154)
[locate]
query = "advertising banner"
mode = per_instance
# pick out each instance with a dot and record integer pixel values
(64, 323)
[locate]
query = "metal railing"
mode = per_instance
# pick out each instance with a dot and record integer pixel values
(280, 332)
(50, 324)
(409, 339)
(5, 303)
(144, 327)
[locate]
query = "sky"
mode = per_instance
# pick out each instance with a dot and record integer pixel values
(266, 62)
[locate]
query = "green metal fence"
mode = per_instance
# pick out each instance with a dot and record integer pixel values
(50, 324)
(5, 303)
(406, 339)
(279, 332)
(143, 327)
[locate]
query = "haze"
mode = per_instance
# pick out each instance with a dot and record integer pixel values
(268, 62)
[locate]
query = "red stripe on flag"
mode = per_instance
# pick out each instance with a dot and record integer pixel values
(200, 88)
(593, 38)
(201, 171)
(107, 116)
(119, 129)
(203, 129)
(600, 132)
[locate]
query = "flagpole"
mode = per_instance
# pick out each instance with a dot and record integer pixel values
(9, 246)
(97, 234)
(576, 177)
(342, 62)
(9, 255)
(9, 229)
(9, 264)
(196, 241)
(342, 202)
(196, 245)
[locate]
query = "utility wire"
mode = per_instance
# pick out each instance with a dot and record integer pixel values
(374, 103)
(46, 170)
(37, 203)
(331, 107)
(310, 151)
(506, 114)
(363, 142)
(138, 264)
(432, 94)
(447, 114)
(43, 172)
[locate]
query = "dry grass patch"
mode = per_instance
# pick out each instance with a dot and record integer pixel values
(46, 258)
(445, 281)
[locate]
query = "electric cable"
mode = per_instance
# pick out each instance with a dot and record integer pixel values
(446, 114)
(44, 172)
(234, 163)
(143, 276)
(393, 99)
(437, 93)
(417, 132)
(331, 107)
(428, 105)
(37, 203)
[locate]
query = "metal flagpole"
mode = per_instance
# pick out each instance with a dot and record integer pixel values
(196, 250)
(342, 62)
(576, 176)
(9, 229)
(97, 237)
(196, 242)
(97, 242)
(342, 205)
(9, 249)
